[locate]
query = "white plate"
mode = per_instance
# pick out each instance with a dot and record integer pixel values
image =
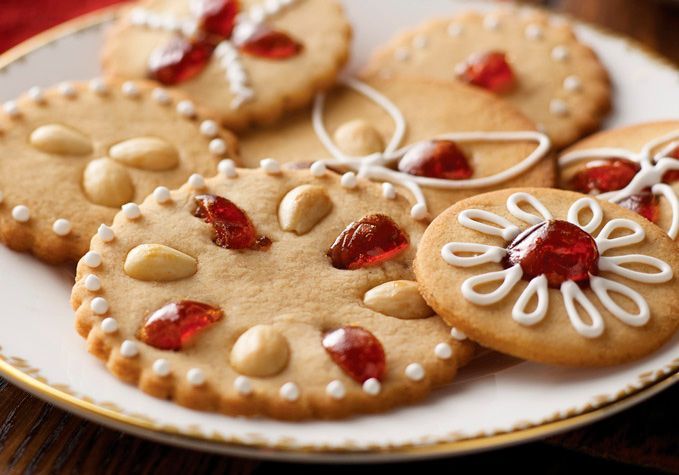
(495, 401)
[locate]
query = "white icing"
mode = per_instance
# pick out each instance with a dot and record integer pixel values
(504, 229)
(458, 335)
(67, 89)
(594, 207)
(227, 168)
(217, 147)
(534, 32)
(131, 211)
(21, 214)
(197, 182)
(109, 325)
(558, 107)
(130, 89)
(243, 385)
(388, 191)
(195, 377)
(129, 349)
(289, 392)
(602, 287)
(604, 243)
(378, 166)
(270, 166)
(572, 293)
(62, 227)
(161, 96)
(11, 109)
(36, 94)
(186, 108)
(372, 386)
(92, 283)
(560, 53)
(98, 86)
(318, 169)
(520, 197)
(509, 278)
(209, 128)
(613, 264)
(161, 367)
(335, 389)
(99, 305)
(92, 259)
(536, 287)
(414, 372)
(349, 180)
(572, 83)
(105, 233)
(454, 30)
(443, 351)
(162, 195)
(487, 254)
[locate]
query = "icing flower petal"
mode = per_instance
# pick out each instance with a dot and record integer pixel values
(509, 278)
(572, 293)
(602, 287)
(538, 287)
(504, 229)
(487, 254)
(521, 197)
(595, 209)
(613, 264)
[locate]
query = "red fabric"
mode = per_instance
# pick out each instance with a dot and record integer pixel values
(21, 19)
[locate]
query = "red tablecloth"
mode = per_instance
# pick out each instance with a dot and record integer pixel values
(21, 19)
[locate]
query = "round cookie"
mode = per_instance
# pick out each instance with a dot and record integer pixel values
(249, 60)
(391, 117)
(636, 167)
(551, 276)
(73, 154)
(546, 72)
(291, 265)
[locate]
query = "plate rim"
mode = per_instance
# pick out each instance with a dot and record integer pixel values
(11, 367)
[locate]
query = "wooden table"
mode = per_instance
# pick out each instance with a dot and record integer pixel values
(36, 437)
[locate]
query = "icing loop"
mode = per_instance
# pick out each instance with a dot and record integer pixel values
(520, 197)
(488, 254)
(504, 229)
(604, 243)
(612, 264)
(509, 277)
(595, 209)
(572, 294)
(538, 287)
(602, 287)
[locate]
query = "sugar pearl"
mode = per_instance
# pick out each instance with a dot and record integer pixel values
(458, 335)
(130, 89)
(11, 109)
(558, 107)
(98, 86)
(414, 372)
(454, 30)
(161, 96)
(289, 392)
(161, 367)
(21, 214)
(36, 94)
(349, 180)
(443, 351)
(491, 23)
(109, 325)
(162, 195)
(195, 377)
(335, 389)
(92, 283)
(243, 385)
(131, 211)
(388, 191)
(418, 211)
(270, 166)
(209, 128)
(186, 108)
(227, 168)
(318, 169)
(572, 83)
(62, 227)
(534, 32)
(129, 349)
(92, 259)
(67, 89)
(105, 233)
(197, 182)
(420, 41)
(99, 305)
(401, 54)
(560, 53)
(217, 147)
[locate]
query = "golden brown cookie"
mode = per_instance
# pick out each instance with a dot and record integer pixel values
(447, 141)
(73, 154)
(249, 60)
(636, 167)
(268, 291)
(552, 276)
(535, 63)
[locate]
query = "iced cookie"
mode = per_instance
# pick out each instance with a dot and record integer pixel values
(269, 291)
(437, 143)
(552, 276)
(534, 62)
(636, 167)
(72, 155)
(249, 60)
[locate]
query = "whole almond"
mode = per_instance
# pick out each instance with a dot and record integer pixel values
(303, 207)
(61, 140)
(146, 153)
(261, 351)
(398, 298)
(160, 263)
(107, 183)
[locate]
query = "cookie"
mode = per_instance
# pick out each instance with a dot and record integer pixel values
(73, 154)
(437, 143)
(249, 60)
(273, 292)
(527, 58)
(636, 167)
(552, 276)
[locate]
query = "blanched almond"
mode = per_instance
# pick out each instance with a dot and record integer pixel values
(303, 207)
(260, 351)
(146, 153)
(107, 183)
(61, 140)
(398, 298)
(157, 262)
(358, 138)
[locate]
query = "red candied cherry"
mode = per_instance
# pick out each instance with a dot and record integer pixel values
(436, 159)
(173, 326)
(558, 249)
(357, 351)
(217, 17)
(179, 60)
(646, 204)
(601, 176)
(369, 241)
(264, 42)
(489, 70)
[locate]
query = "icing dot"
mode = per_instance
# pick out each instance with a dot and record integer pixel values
(388, 191)
(349, 180)
(36, 94)
(454, 30)
(195, 377)
(270, 166)
(372, 386)
(458, 335)
(558, 107)
(92, 283)
(98, 86)
(401, 54)
(105, 233)
(534, 32)
(414, 372)
(189, 28)
(62, 227)
(335, 389)
(11, 109)
(131, 211)
(257, 14)
(21, 214)
(130, 89)
(217, 147)
(162, 195)
(92, 259)
(227, 168)
(443, 351)
(491, 23)
(186, 108)
(418, 211)
(67, 89)
(197, 182)
(289, 392)
(99, 305)
(243, 385)
(560, 53)
(160, 95)
(209, 128)
(161, 367)
(109, 325)
(420, 41)
(129, 349)
(572, 83)
(318, 169)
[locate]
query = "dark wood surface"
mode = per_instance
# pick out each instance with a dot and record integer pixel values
(38, 438)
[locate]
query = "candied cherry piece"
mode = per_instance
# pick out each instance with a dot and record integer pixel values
(270, 44)
(436, 159)
(646, 204)
(558, 249)
(672, 175)
(179, 60)
(369, 241)
(601, 176)
(217, 16)
(490, 71)
(357, 351)
(174, 325)
(233, 228)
